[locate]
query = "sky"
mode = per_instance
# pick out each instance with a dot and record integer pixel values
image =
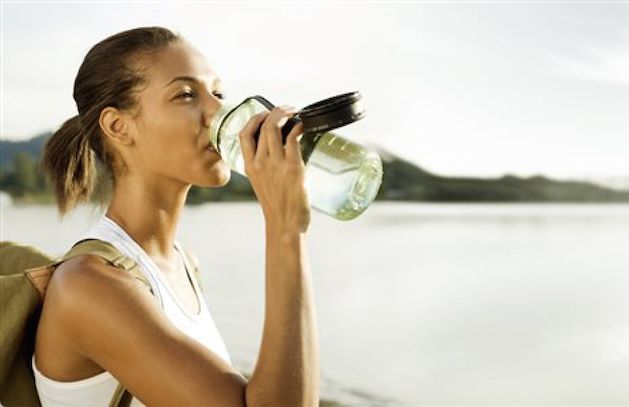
(460, 87)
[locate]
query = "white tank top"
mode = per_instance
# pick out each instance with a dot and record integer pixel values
(97, 390)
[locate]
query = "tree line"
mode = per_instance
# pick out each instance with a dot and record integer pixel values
(24, 181)
(21, 177)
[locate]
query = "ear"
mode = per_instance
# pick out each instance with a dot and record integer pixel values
(115, 126)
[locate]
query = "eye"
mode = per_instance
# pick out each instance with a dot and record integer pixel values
(219, 95)
(188, 94)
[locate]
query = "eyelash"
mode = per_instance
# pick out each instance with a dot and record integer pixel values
(190, 94)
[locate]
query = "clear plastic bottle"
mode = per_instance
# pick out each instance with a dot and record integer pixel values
(342, 177)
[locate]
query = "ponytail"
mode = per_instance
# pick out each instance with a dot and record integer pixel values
(107, 77)
(70, 164)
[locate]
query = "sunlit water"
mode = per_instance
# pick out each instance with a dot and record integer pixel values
(426, 304)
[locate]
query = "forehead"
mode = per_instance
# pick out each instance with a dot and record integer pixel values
(178, 59)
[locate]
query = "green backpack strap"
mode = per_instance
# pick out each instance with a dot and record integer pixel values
(121, 397)
(20, 306)
(107, 251)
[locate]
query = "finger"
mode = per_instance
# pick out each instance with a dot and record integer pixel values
(271, 132)
(247, 142)
(263, 144)
(293, 150)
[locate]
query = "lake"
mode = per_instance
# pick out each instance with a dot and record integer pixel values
(424, 304)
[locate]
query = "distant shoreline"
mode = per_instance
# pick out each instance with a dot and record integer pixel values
(402, 181)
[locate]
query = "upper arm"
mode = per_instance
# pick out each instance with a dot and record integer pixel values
(115, 321)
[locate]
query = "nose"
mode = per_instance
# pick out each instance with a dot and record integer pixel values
(212, 104)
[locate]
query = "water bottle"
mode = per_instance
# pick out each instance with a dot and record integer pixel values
(342, 177)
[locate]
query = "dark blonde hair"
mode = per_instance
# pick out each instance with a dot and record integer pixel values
(108, 77)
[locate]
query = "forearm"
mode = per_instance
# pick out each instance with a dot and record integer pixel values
(287, 370)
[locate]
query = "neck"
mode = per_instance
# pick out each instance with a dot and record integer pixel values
(149, 212)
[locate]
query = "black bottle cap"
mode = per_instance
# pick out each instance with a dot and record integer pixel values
(332, 113)
(319, 117)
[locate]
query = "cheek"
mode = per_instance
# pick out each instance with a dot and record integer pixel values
(163, 138)
(170, 141)
(157, 151)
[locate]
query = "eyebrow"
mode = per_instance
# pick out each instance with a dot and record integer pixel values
(217, 82)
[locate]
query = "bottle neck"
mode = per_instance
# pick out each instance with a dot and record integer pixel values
(217, 122)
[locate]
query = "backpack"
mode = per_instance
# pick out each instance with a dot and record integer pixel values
(24, 276)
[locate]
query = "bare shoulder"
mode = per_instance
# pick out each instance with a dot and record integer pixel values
(79, 278)
(86, 296)
(114, 321)
(87, 272)
(87, 284)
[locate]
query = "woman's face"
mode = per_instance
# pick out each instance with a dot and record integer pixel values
(170, 129)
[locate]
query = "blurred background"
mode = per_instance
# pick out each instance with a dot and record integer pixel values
(492, 267)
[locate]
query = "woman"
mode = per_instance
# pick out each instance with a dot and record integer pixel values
(145, 99)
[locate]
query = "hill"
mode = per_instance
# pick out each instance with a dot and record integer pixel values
(402, 181)
(408, 182)
(33, 147)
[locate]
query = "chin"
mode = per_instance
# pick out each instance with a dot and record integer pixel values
(226, 176)
(218, 177)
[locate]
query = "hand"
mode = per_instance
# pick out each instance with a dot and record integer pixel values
(277, 172)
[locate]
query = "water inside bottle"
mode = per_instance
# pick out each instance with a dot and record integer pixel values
(344, 179)
(232, 154)
(341, 182)
(229, 135)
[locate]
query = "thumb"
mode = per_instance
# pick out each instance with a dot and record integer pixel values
(293, 150)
